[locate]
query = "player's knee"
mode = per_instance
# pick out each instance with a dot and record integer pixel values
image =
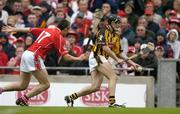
(46, 86)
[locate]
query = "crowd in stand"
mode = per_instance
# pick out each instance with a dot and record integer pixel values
(142, 21)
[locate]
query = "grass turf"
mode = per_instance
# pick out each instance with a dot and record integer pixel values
(80, 110)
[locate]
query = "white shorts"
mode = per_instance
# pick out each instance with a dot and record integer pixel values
(93, 62)
(29, 64)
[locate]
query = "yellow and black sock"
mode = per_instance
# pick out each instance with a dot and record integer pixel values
(74, 96)
(112, 100)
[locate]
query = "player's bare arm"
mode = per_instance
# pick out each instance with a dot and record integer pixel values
(9, 29)
(69, 57)
(112, 54)
(128, 60)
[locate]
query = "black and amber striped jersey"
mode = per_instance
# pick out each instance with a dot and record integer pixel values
(106, 37)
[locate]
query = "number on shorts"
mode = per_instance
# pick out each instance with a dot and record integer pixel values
(43, 35)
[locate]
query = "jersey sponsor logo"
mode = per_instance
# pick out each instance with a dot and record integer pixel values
(99, 98)
(36, 100)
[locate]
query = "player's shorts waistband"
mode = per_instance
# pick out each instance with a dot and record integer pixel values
(30, 52)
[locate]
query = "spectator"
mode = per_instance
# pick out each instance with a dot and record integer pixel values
(26, 7)
(20, 42)
(147, 60)
(36, 10)
(151, 24)
(28, 41)
(162, 42)
(58, 13)
(81, 26)
(151, 8)
(60, 7)
(8, 48)
(137, 45)
(65, 7)
(3, 58)
(123, 41)
(122, 3)
(176, 7)
(159, 52)
(169, 14)
(106, 9)
(4, 15)
(139, 6)
(131, 51)
(73, 38)
(143, 22)
(158, 7)
(141, 34)
(83, 8)
(114, 5)
(127, 31)
(20, 20)
(94, 4)
(16, 7)
(32, 20)
(174, 23)
(132, 17)
(8, 6)
(172, 37)
(46, 13)
(15, 61)
(12, 20)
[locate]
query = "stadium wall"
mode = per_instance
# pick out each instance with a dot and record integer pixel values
(133, 91)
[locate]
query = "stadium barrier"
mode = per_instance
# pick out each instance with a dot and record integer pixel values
(166, 83)
(86, 69)
(133, 91)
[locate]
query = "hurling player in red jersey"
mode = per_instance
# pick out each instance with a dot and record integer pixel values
(32, 59)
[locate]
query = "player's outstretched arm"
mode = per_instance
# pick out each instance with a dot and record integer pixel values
(9, 29)
(72, 58)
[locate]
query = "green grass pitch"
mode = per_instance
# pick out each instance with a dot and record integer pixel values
(81, 110)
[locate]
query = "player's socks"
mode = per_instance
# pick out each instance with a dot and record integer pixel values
(73, 96)
(1, 90)
(112, 100)
(22, 101)
(70, 99)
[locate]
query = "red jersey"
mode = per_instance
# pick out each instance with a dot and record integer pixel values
(47, 39)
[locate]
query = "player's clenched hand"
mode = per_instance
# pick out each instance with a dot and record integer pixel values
(84, 56)
(7, 29)
(137, 67)
(120, 61)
